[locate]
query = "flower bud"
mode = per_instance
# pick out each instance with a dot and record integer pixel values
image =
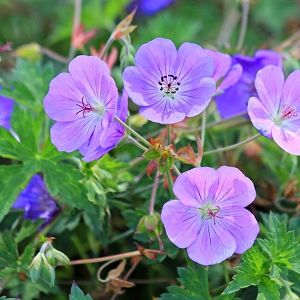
(31, 52)
(150, 224)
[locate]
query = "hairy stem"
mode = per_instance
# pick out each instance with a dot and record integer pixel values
(76, 23)
(244, 23)
(136, 143)
(133, 132)
(231, 147)
(153, 193)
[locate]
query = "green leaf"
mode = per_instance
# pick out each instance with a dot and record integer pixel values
(250, 272)
(281, 245)
(77, 293)
(30, 82)
(269, 289)
(16, 179)
(194, 283)
(64, 182)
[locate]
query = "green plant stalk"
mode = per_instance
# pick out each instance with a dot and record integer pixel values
(231, 147)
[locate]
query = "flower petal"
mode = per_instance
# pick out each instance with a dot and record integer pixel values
(182, 223)
(260, 117)
(193, 63)
(70, 136)
(162, 112)
(241, 224)
(291, 91)
(288, 140)
(156, 58)
(234, 188)
(269, 85)
(141, 90)
(231, 78)
(64, 99)
(193, 187)
(6, 109)
(213, 245)
(87, 72)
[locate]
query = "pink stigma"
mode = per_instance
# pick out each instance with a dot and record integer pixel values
(85, 107)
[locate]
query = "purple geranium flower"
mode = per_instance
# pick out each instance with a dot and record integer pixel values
(113, 134)
(276, 111)
(150, 7)
(209, 219)
(170, 85)
(36, 201)
(234, 100)
(6, 109)
(83, 103)
(225, 73)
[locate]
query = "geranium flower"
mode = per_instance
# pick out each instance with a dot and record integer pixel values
(276, 110)
(83, 103)
(6, 109)
(226, 72)
(170, 85)
(234, 100)
(36, 201)
(209, 219)
(112, 135)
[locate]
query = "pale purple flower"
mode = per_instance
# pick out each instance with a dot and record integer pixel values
(234, 100)
(36, 201)
(226, 73)
(209, 218)
(6, 109)
(113, 134)
(276, 110)
(169, 84)
(83, 103)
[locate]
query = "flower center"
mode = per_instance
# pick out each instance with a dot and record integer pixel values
(210, 211)
(85, 107)
(286, 114)
(169, 85)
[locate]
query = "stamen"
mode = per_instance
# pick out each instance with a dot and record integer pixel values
(85, 107)
(288, 112)
(168, 84)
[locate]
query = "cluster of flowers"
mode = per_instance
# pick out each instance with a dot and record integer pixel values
(169, 85)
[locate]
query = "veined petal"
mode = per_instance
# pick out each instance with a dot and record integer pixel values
(156, 58)
(269, 85)
(213, 245)
(260, 117)
(287, 139)
(87, 72)
(194, 187)
(140, 89)
(64, 99)
(291, 91)
(234, 188)
(70, 136)
(241, 224)
(193, 63)
(182, 223)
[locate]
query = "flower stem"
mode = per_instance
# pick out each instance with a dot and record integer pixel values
(106, 46)
(176, 170)
(231, 147)
(170, 182)
(133, 132)
(203, 128)
(169, 134)
(244, 23)
(153, 194)
(136, 143)
(76, 23)
(226, 274)
(113, 257)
